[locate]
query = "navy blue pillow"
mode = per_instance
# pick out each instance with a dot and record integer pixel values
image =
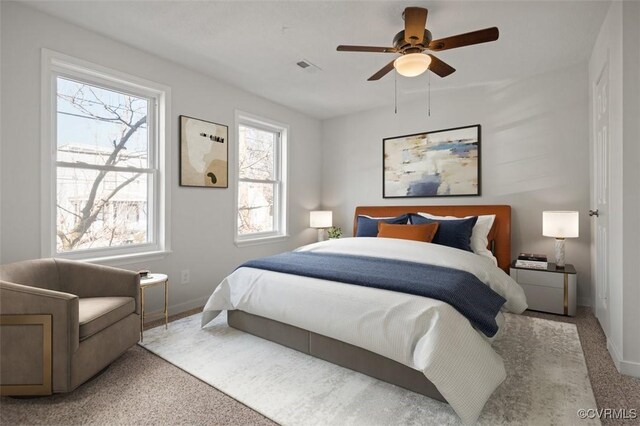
(368, 227)
(453, 233)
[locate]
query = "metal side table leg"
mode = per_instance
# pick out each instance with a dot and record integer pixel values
(141, 314)
(166, 305)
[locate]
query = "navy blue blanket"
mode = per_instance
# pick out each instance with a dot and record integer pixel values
(460, 289)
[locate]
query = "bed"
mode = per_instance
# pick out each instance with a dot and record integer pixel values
(418, 343)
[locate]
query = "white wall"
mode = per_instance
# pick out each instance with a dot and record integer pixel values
(201, 219)
(535, 154)
(1, 135)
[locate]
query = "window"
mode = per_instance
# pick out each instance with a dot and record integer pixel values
(107, 174)
(261, 192)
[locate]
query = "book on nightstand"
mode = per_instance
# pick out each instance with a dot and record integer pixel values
(533, 256)
(531, 260)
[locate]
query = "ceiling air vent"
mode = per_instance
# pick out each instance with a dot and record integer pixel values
(308, 67)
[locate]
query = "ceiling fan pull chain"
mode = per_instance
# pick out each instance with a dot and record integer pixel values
(429, 96)
(395, 90)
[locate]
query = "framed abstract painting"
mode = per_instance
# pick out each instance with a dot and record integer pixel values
(442, 163)
(204, 153)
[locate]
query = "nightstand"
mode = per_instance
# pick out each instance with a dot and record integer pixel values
(550, 290)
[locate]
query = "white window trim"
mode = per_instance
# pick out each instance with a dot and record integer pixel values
(282, 234)
(53, 63)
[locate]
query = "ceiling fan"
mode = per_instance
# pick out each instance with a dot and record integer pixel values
(414, 40)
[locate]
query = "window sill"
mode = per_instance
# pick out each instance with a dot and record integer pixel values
(261, 240)
(128, 259)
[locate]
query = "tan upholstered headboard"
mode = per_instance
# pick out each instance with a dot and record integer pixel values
(501, 227)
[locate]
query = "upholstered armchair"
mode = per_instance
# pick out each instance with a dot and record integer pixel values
(62, 322)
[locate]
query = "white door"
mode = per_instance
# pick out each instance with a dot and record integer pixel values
(600, 220)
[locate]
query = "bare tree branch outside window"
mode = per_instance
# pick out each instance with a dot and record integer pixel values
(100, 207)
(257, 186)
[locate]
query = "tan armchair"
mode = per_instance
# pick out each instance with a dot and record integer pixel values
(63, 321)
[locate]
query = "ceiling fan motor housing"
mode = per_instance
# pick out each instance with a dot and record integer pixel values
(403, 47)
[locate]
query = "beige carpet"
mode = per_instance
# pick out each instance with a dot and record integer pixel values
(141, 388)
(137, 389)
(611, 389)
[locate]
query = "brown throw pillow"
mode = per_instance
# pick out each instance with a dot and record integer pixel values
(423, 232)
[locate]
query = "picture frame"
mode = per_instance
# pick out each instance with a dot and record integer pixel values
(204, 153)
(439, 163)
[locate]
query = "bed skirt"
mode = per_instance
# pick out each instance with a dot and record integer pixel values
(334, 351)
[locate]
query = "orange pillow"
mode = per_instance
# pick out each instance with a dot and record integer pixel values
(423, 232)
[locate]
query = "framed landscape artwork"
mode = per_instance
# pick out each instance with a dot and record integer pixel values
(443, 163)
(204, 153)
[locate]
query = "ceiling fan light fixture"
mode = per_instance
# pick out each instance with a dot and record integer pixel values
(412, 64)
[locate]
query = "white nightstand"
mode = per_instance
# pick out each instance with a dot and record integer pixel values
(153, 280)
(549, 290)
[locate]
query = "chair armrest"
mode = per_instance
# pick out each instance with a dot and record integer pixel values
(18, 299)
(90, 280)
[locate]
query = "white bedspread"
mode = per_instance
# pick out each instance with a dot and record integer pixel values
(422, 333)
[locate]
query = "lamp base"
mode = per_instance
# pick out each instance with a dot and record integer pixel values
(320, 234)
(560, 253)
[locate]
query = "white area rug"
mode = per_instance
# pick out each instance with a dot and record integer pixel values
(546, 381)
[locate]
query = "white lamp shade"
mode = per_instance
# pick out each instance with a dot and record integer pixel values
(321, 219)
(412, 64)
(560, 224)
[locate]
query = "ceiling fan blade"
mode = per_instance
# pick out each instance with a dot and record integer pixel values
(373, 49)
(439, 67)
(415, 21)
(467, 39)
(384, 71)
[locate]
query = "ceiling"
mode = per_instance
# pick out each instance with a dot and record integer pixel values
(256, 45)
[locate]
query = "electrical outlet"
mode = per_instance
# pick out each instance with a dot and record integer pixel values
(186, 276)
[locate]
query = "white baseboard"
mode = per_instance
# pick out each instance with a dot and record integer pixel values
(628, 368)
(584, 302)
(615, 354)
(176, 309)
(188, 305)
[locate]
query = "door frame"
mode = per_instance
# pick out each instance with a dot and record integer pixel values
(600, 308)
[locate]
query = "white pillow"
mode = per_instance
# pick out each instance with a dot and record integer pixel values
(479, 235)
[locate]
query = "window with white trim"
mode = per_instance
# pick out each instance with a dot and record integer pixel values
(107, 169)
(261, 183)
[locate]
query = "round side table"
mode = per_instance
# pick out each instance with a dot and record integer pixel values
(152, 280)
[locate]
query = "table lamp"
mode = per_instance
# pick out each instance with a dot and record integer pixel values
(560, 225)
(321, 219)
